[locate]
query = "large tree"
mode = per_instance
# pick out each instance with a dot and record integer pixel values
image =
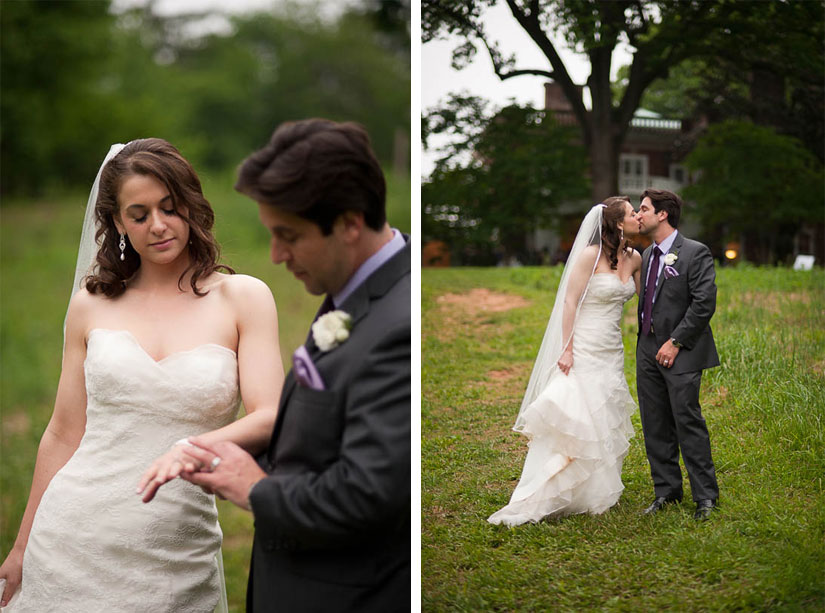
(662, 35)
(509, 171)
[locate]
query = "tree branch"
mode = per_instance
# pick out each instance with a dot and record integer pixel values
(529, 71)
(530, 24)
(499, 66)
(632, 33)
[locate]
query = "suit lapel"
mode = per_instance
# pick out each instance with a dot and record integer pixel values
(357, 305)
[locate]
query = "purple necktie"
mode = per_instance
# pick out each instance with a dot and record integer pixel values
(650, 289)
(326, 306)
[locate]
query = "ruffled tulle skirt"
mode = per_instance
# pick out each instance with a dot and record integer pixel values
(579, 427)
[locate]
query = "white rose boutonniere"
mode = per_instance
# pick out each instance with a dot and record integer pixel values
(331, 329)
(670, 259)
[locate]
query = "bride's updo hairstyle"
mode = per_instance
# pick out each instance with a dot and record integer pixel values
(612, 241)
(151, 157)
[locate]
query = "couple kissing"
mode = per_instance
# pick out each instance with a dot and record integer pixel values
(576, 410)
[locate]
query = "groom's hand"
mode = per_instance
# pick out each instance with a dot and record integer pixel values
(233, 471)
(667, 354)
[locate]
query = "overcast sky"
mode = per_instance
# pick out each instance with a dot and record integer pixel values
(438, 78)
(173, 7)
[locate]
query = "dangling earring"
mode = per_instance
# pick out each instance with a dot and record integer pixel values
(621, 234)
(122, 246)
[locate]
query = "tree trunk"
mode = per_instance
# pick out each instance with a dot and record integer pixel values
(602, 142)
(604, 163)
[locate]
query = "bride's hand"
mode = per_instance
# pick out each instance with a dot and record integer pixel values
(12, 572)
(565, 362)
(167, 467)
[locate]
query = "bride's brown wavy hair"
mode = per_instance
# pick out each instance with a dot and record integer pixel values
(152, 157)
(612, 241)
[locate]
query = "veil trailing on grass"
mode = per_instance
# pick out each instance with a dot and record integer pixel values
(555, 340)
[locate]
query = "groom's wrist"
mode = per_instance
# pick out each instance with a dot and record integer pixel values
(675, 343)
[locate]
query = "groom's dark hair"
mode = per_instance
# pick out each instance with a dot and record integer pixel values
(666, 201)
(317, 169)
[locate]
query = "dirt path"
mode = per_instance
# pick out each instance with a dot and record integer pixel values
(482, 300)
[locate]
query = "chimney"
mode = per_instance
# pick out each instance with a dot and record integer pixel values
(554, 98)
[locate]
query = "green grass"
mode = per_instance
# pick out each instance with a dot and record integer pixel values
(38, 247)
(763, 550)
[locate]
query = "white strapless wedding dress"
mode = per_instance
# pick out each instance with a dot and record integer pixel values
(579, 425)
(94, 546)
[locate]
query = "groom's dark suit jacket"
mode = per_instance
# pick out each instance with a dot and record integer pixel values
(684, 305)
(332, 519)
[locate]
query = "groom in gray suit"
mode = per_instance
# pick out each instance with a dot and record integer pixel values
(675, 344)
(331, 497)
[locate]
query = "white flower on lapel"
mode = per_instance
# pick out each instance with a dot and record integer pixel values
(331, 329)
(670, 259)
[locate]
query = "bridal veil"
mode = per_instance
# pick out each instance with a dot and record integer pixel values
(554, 338)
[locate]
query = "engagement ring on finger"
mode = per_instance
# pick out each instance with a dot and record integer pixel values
(215, 461)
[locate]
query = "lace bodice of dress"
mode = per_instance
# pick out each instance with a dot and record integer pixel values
(131, 395)
(94, 546)
(605, 298)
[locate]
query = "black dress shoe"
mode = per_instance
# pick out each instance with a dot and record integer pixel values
(657, 504)
(703, 509)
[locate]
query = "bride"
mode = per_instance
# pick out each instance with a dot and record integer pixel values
(576, 410)
(159, 346)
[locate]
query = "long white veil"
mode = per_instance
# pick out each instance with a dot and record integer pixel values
(554, 339)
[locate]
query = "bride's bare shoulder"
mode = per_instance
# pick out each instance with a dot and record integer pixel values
(589, 254)
(83, 309)
(85, 302)
(635, 257)
(239, 288)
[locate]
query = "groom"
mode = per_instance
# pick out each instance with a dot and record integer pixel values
(675, 344)
(331, 498)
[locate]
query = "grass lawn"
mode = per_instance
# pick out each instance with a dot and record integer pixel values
(38, 247)
(763, 550)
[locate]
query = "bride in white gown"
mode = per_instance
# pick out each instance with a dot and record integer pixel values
(159, 346)
(577, 407)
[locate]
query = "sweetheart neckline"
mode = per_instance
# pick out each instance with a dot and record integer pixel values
(171, 355)
(616, 276)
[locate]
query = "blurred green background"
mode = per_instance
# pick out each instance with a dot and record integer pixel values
(78, 76)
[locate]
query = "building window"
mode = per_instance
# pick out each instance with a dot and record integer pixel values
(678, 174)
(633, 169)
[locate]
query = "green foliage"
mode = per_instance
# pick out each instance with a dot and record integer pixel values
(507, 173)
(76, 79)
(764, 406)
(235, 88)
(682, 94)
(51, 102)
(751, 179)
